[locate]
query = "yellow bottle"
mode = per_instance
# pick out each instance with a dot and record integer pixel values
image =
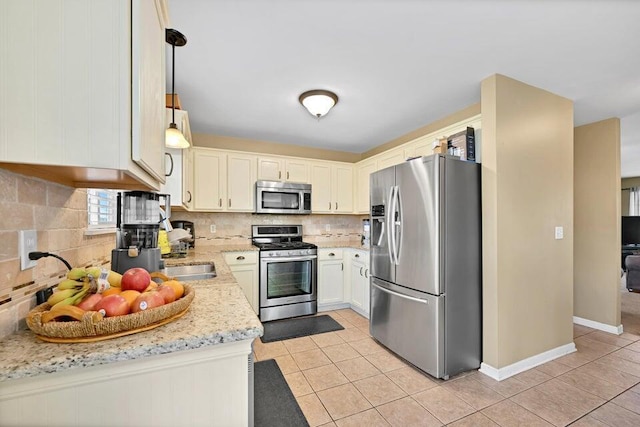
(163, 242)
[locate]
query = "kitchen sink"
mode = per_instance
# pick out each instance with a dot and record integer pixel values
(185, 273)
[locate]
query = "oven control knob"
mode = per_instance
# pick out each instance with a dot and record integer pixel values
(290, 253)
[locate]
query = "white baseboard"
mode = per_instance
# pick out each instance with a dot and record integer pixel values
(597, 325)
(526, 364)
(333, 306)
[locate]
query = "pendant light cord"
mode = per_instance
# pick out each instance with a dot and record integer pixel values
(173, 82)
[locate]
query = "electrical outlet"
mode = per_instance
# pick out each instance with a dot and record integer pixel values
(327, 228)
(559, 233)
(212, 228)
(27, 242)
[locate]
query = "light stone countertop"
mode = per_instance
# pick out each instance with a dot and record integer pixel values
(219, 313)
(351, 244)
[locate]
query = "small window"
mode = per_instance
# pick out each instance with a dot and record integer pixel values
(101, 209)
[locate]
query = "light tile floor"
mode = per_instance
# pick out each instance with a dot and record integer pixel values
(346, 378)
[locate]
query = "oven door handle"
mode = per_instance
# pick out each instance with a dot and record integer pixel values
(287, 259)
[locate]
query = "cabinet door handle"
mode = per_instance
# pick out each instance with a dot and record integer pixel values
(171, 168)
(332, 254)
(361, 271)
(279, 174)
(229, 202)
(287, 174)
(240, 258)
(220, 202)
(329, 205)
(366, 273)
(189, 193)
(336, 205)
(357, 255)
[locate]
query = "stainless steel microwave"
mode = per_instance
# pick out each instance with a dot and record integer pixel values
(274, 197)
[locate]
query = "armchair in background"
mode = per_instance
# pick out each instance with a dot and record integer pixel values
(632, 262)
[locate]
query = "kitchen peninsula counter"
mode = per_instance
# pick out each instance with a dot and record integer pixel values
(202, 353)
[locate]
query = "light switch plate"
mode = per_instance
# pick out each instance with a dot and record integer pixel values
(559, 233)
(27, 242)
(212, 228)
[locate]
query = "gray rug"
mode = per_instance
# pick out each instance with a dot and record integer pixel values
(274, 404)
(300, 327)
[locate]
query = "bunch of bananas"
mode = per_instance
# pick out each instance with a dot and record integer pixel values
(79, 283)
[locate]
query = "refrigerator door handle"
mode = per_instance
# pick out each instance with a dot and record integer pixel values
(398, 225)
(399, 295)
(392, 225)
(389, 219)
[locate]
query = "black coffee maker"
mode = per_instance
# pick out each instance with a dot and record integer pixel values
(139, 218)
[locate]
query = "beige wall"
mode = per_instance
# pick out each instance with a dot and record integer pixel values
(59, 214)
(596, 292)
(527, 190)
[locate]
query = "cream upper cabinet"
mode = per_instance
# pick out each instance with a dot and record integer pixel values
(223, 181)
(241, 179)
(283, 169)
(187, 178)
(391, 158)
(422, 147)
(210, 178)
(342, 184)
(331, 187)
(83, 91)
(175, 174)
(363, 170)
(148, 88)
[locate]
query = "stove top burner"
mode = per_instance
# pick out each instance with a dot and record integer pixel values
(284, 245)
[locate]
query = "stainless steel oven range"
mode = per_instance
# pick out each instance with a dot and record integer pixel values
(288, 272)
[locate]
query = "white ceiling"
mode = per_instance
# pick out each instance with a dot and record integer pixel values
(398, 65)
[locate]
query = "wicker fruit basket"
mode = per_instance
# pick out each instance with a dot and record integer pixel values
(93, 327)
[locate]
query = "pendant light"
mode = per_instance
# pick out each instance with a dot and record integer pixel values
(318, 102)
(174, 138)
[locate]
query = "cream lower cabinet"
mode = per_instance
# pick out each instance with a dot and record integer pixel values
(208, 386)
(223, 181)
(359, 274)
(244, 266)
(83, 91)
(332, 187)
(331, 283)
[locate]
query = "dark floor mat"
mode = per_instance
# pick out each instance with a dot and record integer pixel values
(301, 327)
(274, 404)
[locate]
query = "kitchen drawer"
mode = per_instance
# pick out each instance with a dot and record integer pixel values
(360, 256)
(241, 258)
(329, 254)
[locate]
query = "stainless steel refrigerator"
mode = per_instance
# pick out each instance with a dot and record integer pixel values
(426, 263)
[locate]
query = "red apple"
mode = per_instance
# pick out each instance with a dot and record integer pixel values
(146, 301)
(112, 305)
(136, 279)
(167, 292)
(89, 303)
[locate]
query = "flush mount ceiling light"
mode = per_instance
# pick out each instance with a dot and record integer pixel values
(173, 137)
(318, 102)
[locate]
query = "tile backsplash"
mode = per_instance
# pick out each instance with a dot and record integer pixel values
(235, 228)
(59, 215)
